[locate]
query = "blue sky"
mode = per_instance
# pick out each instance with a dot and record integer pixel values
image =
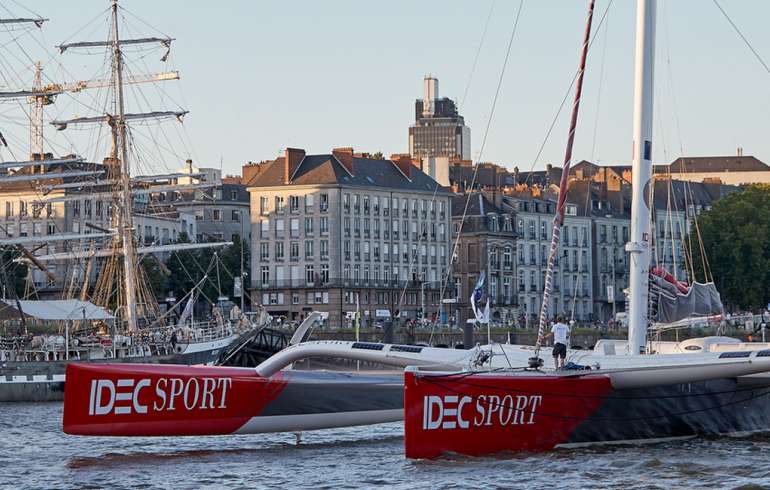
(262, 75)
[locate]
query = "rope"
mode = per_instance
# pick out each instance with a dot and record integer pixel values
(481, 152)
(478, 51)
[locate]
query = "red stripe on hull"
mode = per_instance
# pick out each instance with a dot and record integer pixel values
(163, 400)
(483, 414)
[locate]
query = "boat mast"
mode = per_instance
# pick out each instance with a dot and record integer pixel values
(561, 203)
(640, 239)
(126, 226)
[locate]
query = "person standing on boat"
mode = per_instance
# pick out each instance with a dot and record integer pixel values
(560, 332)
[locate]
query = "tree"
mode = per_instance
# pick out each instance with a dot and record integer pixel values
(183, 269)
(156, 279)
(735, 235)
(187, 268)
(11, 273)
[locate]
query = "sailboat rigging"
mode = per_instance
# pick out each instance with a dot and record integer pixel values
(98, 259)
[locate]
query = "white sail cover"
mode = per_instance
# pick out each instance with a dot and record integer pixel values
(61, 309)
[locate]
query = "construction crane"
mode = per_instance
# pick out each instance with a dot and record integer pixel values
(45, 95)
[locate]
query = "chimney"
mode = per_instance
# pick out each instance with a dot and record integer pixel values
(249, 171)
(404, 163)
(292, 157)
(345, 157)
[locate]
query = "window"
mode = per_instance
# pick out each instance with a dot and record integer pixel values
(235, 216)
(279, 250)
(233, 195)
(279, 228)
(325, 274)
(264, 251)
(308, 203)
(356, 203)
(324, 204)
(376, 228)
(324, 249)
(346, 226)
(308, 226)
(279, 204)
(346, 203)
(309, 249)
(294, 251)
(366, 204)
(264, 228)
(294, 223)
(376, 205)
(265, 275)
(385, 206)
(346, 249)
(310, 274)
(295, 298)
(294, 204)
(324, 225)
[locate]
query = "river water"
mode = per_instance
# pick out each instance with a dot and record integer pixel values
(35, 453)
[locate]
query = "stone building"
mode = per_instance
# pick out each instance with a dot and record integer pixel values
(487, 243)
(335, 230)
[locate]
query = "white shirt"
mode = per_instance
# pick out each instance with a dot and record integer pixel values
(560, 332)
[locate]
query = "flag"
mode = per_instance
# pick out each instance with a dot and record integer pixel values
(188, 310)
(476, 296)
(485, 316)
(357, 317)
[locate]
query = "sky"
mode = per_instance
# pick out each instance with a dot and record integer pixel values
(259, 76)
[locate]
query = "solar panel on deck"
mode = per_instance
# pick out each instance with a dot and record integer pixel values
(733, 355)
(368, 346)
(406, 348)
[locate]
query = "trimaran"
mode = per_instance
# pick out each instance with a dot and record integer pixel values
(487, 399)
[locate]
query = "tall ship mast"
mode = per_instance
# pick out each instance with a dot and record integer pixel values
(91, 251)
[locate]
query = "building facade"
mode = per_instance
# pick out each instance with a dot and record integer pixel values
(340, 233)
(572, 294)
(487, 243)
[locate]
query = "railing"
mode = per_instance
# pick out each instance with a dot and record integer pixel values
(350, 283)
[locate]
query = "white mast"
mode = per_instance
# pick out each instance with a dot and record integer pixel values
(640, 240)
(126, 226)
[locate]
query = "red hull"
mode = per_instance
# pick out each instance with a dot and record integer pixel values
(483, 414)
(163, 400)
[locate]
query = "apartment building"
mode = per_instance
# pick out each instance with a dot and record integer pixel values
(340, 232)
(487, 243)
(572, 295)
